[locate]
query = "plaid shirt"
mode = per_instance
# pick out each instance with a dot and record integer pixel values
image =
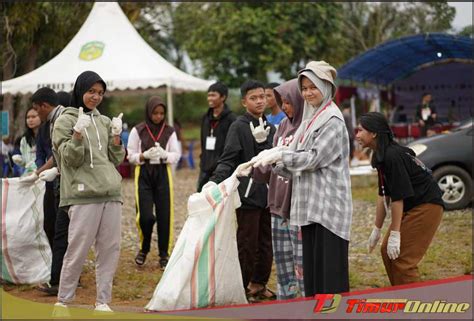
(321, 180)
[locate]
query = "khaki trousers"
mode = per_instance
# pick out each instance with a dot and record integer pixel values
(417, 230)
(92, 224)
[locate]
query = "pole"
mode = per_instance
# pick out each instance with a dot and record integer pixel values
(169, 102)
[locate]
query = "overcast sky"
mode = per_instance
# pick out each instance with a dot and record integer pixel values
(463, 14)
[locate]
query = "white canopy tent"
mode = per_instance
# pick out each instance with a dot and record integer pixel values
(108, 44)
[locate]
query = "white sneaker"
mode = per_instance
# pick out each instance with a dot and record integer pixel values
(102, 307)
(60, 310)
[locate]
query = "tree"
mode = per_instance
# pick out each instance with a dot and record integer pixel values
(467, 31)
(237, 41)
(369, 24)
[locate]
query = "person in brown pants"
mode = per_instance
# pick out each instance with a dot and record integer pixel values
(416, 200)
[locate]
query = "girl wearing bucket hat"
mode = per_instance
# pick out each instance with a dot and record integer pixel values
(416, 203)
(321, 201)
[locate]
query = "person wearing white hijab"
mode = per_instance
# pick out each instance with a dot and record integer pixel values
(321, 201)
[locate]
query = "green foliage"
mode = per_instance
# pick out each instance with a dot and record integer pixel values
(237, 41)
(467, 31)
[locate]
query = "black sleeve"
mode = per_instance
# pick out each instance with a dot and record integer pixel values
(230, 157)
(398, 180)
(418, 113)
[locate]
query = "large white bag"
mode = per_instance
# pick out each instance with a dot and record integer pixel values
(204, 270)
(26, 254)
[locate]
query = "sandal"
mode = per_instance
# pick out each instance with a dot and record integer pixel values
(140, 258)
(266, 294)
(163, 262)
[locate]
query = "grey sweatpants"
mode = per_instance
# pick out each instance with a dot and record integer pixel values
(92, 224)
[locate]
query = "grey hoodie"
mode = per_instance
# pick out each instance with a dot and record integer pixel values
(279, 191)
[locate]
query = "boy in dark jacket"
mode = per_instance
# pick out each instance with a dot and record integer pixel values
(214, 127)
(248, 136)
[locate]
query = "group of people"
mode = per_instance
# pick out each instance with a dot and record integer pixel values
(295, 186)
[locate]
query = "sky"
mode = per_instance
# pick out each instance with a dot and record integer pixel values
(463, 16)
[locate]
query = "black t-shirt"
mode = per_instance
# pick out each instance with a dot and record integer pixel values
(405, 177)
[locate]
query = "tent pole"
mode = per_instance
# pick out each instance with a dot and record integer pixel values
(169, 102)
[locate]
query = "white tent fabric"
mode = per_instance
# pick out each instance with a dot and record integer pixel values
(108, 44)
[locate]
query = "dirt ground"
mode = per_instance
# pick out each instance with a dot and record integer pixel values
(134, 286)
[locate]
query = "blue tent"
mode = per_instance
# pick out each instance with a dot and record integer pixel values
(397, 59)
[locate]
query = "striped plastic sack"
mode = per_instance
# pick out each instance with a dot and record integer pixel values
(204, 269)
(26, 254)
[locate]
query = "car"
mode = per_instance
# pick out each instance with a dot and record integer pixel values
(449, 156)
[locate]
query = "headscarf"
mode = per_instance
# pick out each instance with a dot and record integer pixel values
(289, 91)
(83, 83)
(145, 137)
(322, 75)
(375, 122)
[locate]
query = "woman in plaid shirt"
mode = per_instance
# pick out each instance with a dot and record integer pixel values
(321, 201)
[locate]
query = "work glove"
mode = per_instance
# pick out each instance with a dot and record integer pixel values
(30, 179)
(271, 156)
(373, 238)
(393, 245)
(243, 169)
(162, 154)
(260, 133)
(17, 159)
(83, 121)
(49, 175)
(151, 153)
(117, 125)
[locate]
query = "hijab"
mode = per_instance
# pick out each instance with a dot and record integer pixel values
(289, 91)
(321, 74)
(144, 128)
(83, 83)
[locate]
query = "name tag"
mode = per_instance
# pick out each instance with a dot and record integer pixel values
(210, 143)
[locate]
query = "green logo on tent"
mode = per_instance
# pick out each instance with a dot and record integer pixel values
(91, 50)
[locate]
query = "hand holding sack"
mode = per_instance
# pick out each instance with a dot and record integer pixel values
(49, 175)
(243, 169)
(260, 133)
(30, 179)
(17, 159)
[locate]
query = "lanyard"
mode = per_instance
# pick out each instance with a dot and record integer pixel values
(380, 172)
(313, 120)
(213, 124)
(155, 139)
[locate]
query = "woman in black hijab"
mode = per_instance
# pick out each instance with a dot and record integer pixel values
(87, 148)
(153, 146)
(416, 204)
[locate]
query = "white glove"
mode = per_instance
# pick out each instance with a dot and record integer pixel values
(151, 153)
(393, 245)
(243, 169)
(30, 179)
(83, 121)
(260, 133)
(162, 154)
(49, 175)
(373, 239)
(117, 125)
(17, 159)
(271, 157)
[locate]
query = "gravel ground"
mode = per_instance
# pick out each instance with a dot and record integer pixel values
(134, 286)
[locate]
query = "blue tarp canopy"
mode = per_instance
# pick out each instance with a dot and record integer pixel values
(397, 59)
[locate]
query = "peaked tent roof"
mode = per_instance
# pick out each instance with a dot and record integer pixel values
(108, 44)
(396, 59)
